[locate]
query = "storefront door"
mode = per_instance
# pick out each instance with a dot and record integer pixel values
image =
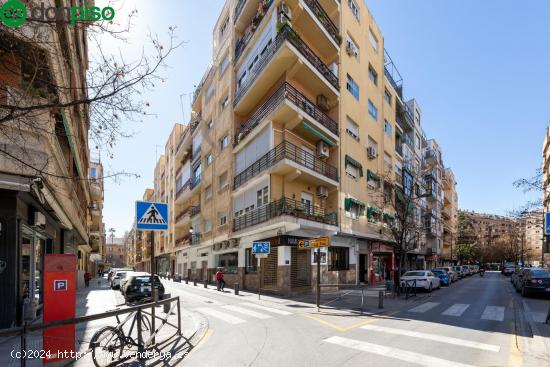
(31, 276)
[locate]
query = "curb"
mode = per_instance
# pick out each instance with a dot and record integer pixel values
(202, 327)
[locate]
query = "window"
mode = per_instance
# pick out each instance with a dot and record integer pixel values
(93, 172)
(208, 192)
(222, 218)
(338, 258)
(351, 48)
(387, 161)
(372, 143)
(373, 75)
(388, 128)
(373, 40)
(224, 64)
(250, 261)
(224, 142)
(352, 87)
(387, 96)
(210, 91)
(373, 111)
(354, 8)
(222, 179)
(352, 171)
(207, 225)
(407, 183)
(353, 208)
(352, 128)
(209, 159)
(417, 141)
(262, 197)
(223, 27)
(210, 124)
(224, 102)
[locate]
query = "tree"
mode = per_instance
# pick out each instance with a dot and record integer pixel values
(112, 234)
(109, 96)
(467, 253)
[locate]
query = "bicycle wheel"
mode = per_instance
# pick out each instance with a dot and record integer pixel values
(106, 345)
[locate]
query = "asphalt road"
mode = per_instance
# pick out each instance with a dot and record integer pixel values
(476, 322)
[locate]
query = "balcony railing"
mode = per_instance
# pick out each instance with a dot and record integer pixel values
(285, 91)
(182, 214)
(251, 29)
(195, 210)
(392, 74)
(183, 240)
(238, 9)
(183, 187)
(285, 150)
(325, 20)
(195, 123)
(286, 33)
(195, 238)
(284, 206)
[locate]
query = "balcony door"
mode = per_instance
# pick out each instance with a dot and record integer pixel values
(308, 157)
(307, 202)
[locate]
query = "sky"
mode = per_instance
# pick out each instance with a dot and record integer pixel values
(480, 71)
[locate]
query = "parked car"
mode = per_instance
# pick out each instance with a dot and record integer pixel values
(476, 268)
(138, 287)
(507, 265)
(450, 271)
(115, 279)
(424, 279)
(509, 270)
(535, 280)
(125, 276)
(443, 276)
(459, 272)
(517, 274)
(466, 270)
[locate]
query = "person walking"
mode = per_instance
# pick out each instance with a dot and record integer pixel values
(87, 278)
(219, 279)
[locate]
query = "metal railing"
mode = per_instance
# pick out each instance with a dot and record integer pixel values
(285, 150)
(286, 33)
(325, 20)
(288, 92)
(238, 8)
(195, 181)
(284, 206)
(245, 39)
(195, 123)
(195, 210)
(182, 214)
(183, 239)
(196, 238)
(183, 187)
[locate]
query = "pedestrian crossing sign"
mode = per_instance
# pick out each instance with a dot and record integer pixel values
(151, 216)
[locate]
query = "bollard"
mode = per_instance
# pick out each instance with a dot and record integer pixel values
(236, 287)
(380, 299)
(205, 283)
(166, 305)
(195, 282)
(186, 280)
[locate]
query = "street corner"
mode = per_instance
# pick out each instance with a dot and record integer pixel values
(346, 319)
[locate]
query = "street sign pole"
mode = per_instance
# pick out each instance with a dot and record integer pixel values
(261, 277)
(318, 295)
(153, 292)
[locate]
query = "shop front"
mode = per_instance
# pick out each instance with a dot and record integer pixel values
(382, 264)
(163, 264)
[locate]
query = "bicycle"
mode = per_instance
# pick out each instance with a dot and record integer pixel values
(109, 342)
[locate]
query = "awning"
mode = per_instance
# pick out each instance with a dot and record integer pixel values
(349, 201)
(372, 176)
(372, 210)
(354, 163)
(71, 143)
(312, 129)
(388, 217)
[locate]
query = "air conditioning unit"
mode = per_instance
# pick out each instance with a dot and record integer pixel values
(322, 149)
(39, 220)
(349, 50)
(322, 102)
(372, 152)
(334, 68)
(322, 191)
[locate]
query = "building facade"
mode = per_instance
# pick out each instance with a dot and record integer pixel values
(116, 252)
(298, 127)
(546, 190)
(533, 223)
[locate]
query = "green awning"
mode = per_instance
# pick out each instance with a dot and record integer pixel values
(399, 195)
(388, 217)
(71, 143)
(349, 201)
(372, 176)
(312, 129)
(354, 163)
(372, 210)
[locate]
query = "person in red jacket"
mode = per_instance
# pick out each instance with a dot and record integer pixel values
(219, 279)
(87, 278)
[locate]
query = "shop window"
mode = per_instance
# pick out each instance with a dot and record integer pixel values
(338, 258)
(251, 261)
(228, 262)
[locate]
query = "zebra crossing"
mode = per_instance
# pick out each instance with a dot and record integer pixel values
(491, 312)
(240, 313)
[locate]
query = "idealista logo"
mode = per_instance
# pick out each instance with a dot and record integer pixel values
(14, 13)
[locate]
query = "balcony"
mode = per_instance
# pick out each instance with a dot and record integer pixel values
(195, 181)
(182, 192)
(294, 101)
(287, 54)
(284, 206)
(184, 144)
(195, 210)
(392, 74)
(319, 13)
(250, 30)
(287, 158)
(183, 240)
(195, 123)
(183, 217)
(196, 238)
(404, 116)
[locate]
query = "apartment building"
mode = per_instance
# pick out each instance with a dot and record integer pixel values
(546, 189)
(44, 191)
(450, 219)
(96, 226)
(298, 129)
(533, 224)
(142, 241)
(116, 252)
(490, 227)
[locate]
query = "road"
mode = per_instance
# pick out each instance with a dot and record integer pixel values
(472, 323)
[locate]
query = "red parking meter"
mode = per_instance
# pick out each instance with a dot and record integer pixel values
(59, 304)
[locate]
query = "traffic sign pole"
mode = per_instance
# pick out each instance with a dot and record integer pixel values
(153, 291)
(318, 295)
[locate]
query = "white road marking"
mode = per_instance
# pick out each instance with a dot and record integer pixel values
(245, 311)
(268, 309)
(221, 315)
(538, 316)
(434, 337)
(456, 310)
(495, 313)
(395, 353)
(195, 297)
(424, 307)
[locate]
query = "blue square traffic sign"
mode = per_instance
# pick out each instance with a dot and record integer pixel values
(547, 223)
(261, 247)
(60, 285)
(151, 216)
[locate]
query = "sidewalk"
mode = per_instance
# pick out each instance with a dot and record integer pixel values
(99, 298)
